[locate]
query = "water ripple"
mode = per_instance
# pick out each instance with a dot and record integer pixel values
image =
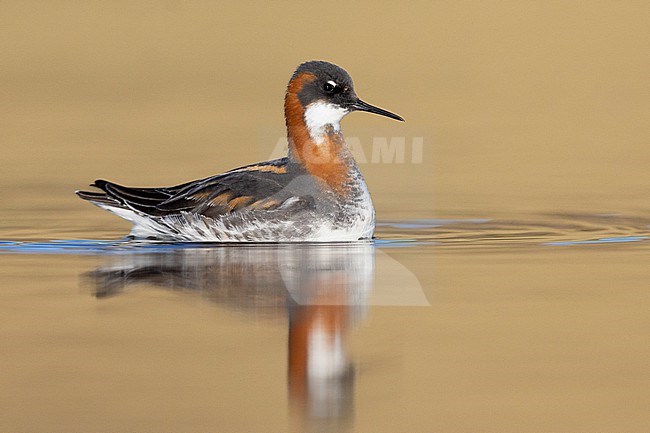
(542, 230)
(621, 239)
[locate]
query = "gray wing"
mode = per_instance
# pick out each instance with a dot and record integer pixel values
(257, 186)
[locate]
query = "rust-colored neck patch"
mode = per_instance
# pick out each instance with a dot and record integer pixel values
(329, 159)
(294, 115)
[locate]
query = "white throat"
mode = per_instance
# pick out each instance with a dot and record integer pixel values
(319, 115)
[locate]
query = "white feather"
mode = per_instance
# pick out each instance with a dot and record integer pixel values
(190, 227)
(319, 115)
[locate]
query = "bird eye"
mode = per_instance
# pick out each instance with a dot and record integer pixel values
(329, 86)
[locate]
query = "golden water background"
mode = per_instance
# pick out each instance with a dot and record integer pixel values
(534, 117)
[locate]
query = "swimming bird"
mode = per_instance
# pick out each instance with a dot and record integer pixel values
(314, 194)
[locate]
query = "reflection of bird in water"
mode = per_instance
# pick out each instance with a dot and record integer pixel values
(323, 289)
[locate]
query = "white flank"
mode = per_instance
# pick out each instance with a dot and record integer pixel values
(190, 227)
(319, 114)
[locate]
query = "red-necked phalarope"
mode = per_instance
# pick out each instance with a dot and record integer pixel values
(315, 194)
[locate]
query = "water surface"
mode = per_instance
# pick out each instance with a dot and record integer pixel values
(507, 289)
(434, 320)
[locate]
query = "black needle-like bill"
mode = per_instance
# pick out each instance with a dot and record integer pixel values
(359, 105)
